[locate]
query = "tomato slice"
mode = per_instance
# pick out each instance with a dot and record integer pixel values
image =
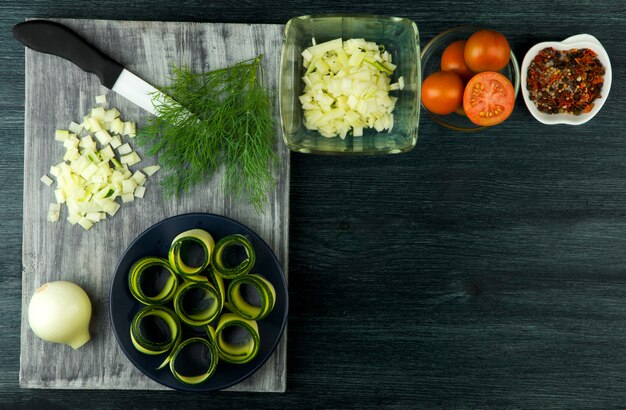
(489, 98)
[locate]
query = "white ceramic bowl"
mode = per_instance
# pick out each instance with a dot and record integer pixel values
(578, 41)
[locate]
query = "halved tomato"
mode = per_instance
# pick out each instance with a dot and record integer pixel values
(489, 98)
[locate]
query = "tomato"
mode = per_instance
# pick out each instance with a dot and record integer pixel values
(487, 50)
(453, 59)
(489, 98)
(442, 92)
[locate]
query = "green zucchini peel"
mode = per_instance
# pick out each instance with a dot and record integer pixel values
(238, 303)
(237, 353)
(139, 268)
(201, 317)
(143, 343)
(200, 237)
(227, 272)
(199, 378)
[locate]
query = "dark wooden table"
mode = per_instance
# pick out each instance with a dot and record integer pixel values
(484, 270)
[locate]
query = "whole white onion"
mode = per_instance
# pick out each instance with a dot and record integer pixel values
(60, 312)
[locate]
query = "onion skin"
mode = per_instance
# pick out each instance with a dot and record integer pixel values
(60, 312)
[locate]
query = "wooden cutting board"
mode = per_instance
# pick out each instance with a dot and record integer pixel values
(58, 92)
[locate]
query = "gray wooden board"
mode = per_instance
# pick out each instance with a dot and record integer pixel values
(58, 92)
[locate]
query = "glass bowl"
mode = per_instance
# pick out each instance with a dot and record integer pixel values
(398, 35)
(431, 62)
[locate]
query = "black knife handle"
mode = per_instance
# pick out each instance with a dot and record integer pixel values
(54, 38)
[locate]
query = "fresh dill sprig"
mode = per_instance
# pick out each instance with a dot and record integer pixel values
(231, 125)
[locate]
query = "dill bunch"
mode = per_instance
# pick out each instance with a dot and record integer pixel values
(231, 125)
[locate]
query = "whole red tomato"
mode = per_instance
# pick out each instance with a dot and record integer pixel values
(487, 50)
(453, 59)
(442, 92)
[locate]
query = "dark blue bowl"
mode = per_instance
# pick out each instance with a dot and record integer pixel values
(155, 241)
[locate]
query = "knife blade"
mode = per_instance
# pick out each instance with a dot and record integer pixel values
(57, 39)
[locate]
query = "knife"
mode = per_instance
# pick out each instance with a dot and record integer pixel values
(53, 38)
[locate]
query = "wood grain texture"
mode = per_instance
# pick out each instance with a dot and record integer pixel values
(61, 251)
(477, 271)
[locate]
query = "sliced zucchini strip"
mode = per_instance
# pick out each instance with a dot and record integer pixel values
(198, 315)
(238, 302)
(242, 351)
(177, 249)
(143, 343)
(212, 365)
(169, 356)
(139, 268)
(218, 284)
(228, 272)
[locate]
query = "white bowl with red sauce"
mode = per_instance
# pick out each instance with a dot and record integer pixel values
(580, 41)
